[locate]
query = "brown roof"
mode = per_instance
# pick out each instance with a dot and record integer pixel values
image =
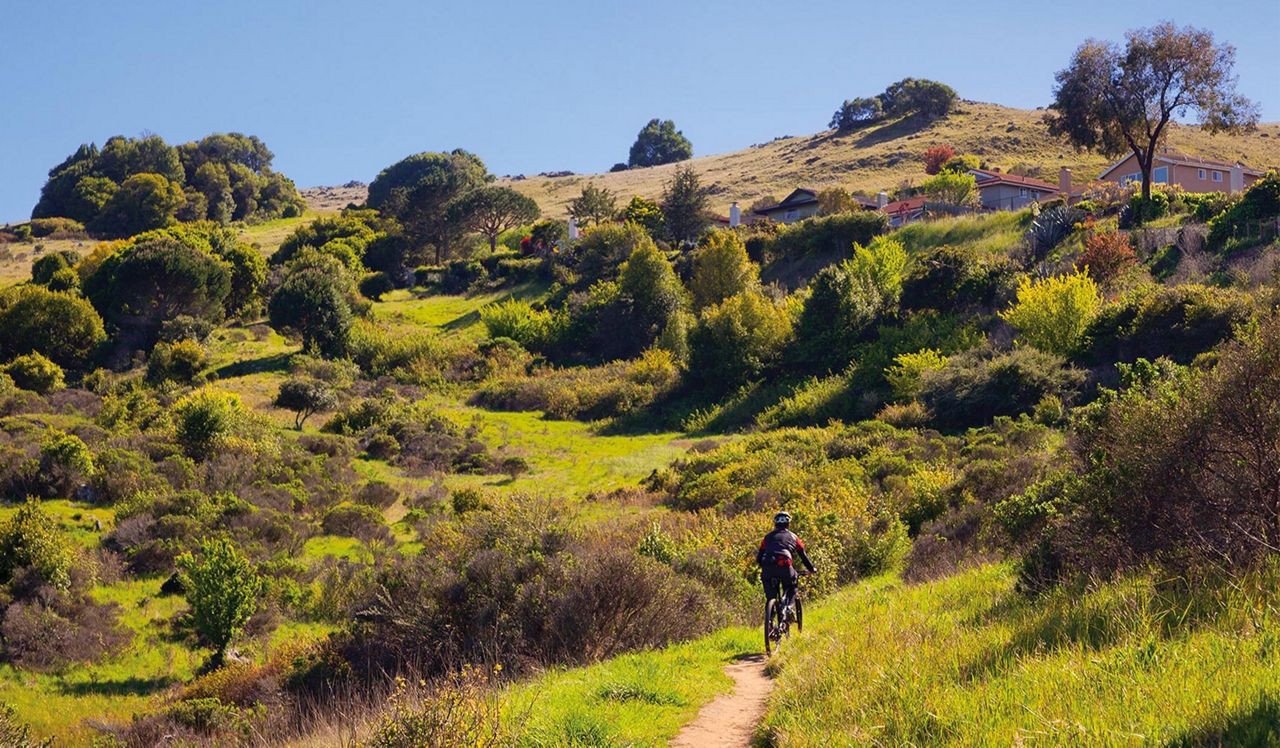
(990, 178)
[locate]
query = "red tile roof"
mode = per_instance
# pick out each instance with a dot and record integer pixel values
(904, 206)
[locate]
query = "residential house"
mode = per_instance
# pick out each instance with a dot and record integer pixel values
(1191, 173)
(1000, 191)
(798, 205)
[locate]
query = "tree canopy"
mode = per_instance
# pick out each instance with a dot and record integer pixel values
(425, 192)
(1119, 101)
(658, 143)
(223, 177)
(909, 96)
(493, 210)
(684, 205)
(594, 206)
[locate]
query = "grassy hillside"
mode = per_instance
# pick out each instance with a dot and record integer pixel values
(884, 155)
(966, 661)
(970, 661)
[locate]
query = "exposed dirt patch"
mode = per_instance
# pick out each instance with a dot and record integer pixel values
(730, 720)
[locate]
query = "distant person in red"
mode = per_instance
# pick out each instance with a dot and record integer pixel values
(776, 557)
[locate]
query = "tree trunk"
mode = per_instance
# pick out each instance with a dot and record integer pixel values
(493, 243)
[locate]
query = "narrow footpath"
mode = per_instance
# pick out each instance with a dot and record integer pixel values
(730, 720)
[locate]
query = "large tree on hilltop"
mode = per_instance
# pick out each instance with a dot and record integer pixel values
(658, 143)
(424, 193)
(1117, 101)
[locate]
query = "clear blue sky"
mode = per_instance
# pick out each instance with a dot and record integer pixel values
(339, 90)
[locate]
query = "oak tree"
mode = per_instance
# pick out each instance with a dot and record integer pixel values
(1119, 101)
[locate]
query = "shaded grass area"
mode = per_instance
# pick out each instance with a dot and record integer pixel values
(970, 661)
(640, 699)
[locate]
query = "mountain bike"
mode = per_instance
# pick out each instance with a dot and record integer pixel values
(780, 615)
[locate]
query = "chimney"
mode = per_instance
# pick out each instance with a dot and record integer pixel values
(882, 199)
(735, 216)
(573, 229)
(1064, 181)
(996, 169)
(1237, 179)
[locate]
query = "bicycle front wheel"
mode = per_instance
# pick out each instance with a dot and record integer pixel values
(799, 622)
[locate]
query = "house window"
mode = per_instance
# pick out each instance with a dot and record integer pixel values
(1131, 178)
(791, 215)
(1161, 175)
(1217, 176)
(1200, 173)
(1022, 192)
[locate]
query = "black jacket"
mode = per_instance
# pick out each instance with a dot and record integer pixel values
(780, 548)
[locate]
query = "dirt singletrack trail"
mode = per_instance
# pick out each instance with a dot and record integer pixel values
(730, 719)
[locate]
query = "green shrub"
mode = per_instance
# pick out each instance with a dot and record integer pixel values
(736, 341)
(958, 279)
(43, 227)
(1204, 206)
(904, 376)
(1179, 467)
(32, 538)
(43, 268)
(205, 420)
(35, 373)
(181, 362)
(976, 386)
(1149, 209)
(837, 315)
(222, 589)
(62, 326)
(1052, 314)
(376, 285)
(837, 233)
(962, 164)
(65, 280)
(1152, 322)
(1260, 202)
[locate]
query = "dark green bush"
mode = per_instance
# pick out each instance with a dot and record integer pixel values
(959, 279)
(1149, 209)
(376, 285)
(836, 233)
(976, 386)
(1178, 323)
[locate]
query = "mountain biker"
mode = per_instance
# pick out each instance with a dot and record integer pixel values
(777, 553)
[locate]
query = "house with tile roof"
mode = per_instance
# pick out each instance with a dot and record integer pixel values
(1191, 173)
(1000, 191)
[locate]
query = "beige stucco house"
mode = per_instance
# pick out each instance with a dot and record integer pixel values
(1191, 173)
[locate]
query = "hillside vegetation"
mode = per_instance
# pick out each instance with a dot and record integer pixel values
(426, 471)
(883, 155)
